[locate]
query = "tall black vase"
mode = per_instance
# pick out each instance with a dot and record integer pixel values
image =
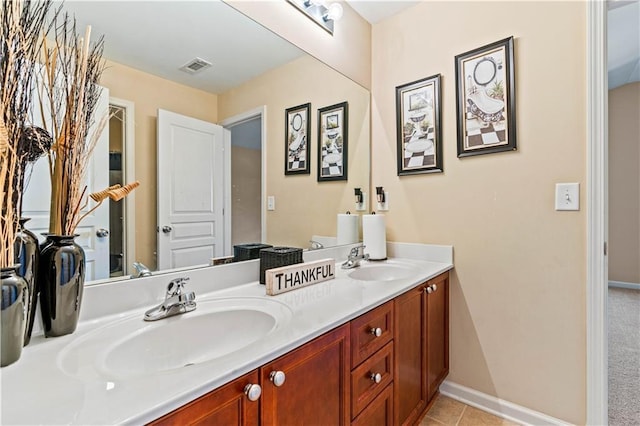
(13, 320)
(61, 282)
(27, 255)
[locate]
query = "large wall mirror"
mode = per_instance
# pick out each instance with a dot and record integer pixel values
(254, 77)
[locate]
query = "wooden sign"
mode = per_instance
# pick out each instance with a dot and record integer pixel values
(292, 277)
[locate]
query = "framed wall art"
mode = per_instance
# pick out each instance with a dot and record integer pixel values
(297, 152)
(419, 141)
(486, 104)
(333, 131)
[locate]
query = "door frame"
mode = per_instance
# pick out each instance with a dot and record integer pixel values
(129, 158)
(597, 214)
(258, 112)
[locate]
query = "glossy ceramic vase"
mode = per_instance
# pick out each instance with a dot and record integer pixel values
(61, 274)
(14, 317)
(27, 251)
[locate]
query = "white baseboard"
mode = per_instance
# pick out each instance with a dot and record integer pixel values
(622, 284)
(496, 406)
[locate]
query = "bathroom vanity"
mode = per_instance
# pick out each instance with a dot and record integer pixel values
(382, 367)
(369, 347)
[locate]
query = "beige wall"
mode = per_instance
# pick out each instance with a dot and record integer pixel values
(518, 327)
(349, 49)
(305, 207)
(149, 93)
(246, 181)
(624, 183)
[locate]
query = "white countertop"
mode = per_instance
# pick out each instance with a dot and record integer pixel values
(39, 389)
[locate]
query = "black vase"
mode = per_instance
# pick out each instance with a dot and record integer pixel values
(61, 274)
(13, 321)
(27, 255)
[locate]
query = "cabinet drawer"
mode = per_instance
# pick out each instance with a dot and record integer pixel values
(364, 387)
(379, 412)
(364, 339)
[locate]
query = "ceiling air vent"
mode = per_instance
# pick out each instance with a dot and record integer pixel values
(195, 65)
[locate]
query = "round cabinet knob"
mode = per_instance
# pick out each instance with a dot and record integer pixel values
(434, 287)
(428, 289)
(376, 377)
(376, 331)
(101, 233)
(278, 378)
(253, 392)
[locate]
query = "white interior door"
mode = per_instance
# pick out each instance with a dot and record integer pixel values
(190, 190)
(36, 200)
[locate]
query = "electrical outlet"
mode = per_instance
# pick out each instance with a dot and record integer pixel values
(384, 206)
(567, 196)
(360, 207)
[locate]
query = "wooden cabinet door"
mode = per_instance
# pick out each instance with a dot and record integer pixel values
(227, 406)
(316, 387)
(437, 332)
(410, 378)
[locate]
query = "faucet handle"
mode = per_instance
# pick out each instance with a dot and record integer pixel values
(355, 251)
(176, 286)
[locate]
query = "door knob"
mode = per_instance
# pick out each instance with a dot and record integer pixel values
(101, 233)
(166, 229)
(278, 378)
(253, 392)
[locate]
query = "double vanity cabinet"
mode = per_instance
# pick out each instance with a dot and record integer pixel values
(381, 368)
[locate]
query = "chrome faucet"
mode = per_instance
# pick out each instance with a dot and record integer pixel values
(355, 256)
(141, 270)
(176, 301)
(315, 245)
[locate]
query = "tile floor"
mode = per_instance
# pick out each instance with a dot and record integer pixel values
(449, 412)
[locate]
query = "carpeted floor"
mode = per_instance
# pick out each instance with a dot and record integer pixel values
(624, 357)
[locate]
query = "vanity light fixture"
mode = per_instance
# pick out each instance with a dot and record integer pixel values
(320, 12)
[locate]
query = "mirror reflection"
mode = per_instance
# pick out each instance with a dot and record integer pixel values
(239, 77)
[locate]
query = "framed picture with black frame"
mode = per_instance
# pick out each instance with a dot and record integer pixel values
(297, 152)
(418, 125)
(333, 132)
(486, 99)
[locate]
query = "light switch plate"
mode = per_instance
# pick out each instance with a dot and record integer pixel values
(567, 196)
(271, 202)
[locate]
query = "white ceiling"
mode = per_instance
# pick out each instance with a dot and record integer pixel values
(623, 41)
(159, 37)
(377, 10)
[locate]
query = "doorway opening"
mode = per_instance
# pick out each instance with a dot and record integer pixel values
(245, 179)
(121, 171)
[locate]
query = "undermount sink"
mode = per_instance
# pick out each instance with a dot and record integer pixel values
(381, 272)
(132, 347)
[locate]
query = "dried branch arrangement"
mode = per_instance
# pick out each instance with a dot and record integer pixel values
(69, 94)
(22, 26)
(115, 192)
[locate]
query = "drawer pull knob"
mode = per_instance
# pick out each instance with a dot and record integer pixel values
(253, 392)
(376, 331)
(428, 289)
(434, 287)
(376, 377)
(278, 378)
